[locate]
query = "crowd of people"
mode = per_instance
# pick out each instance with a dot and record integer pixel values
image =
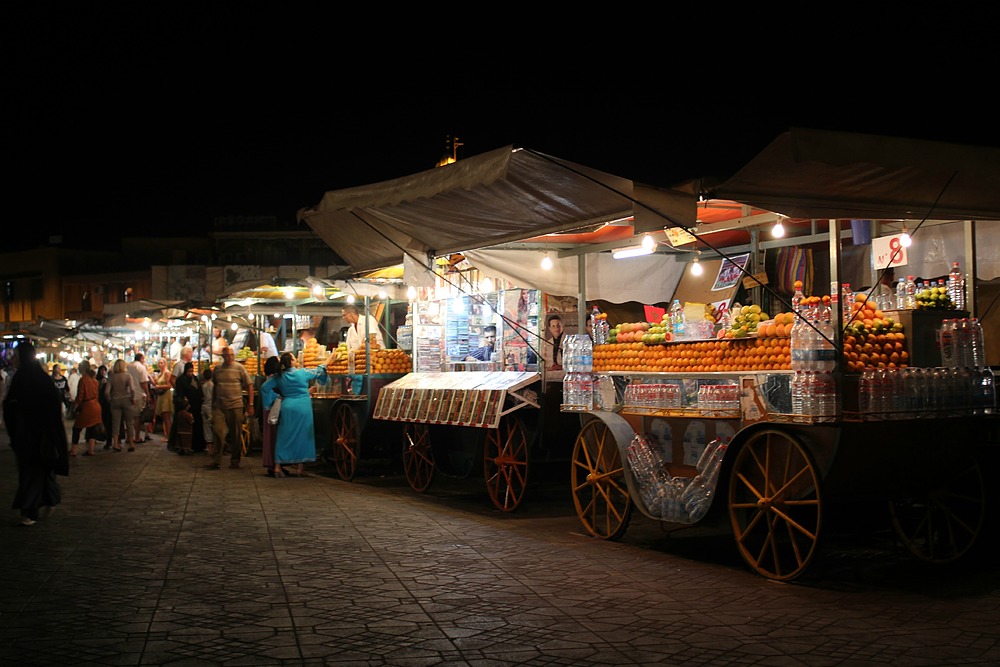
(53, 413)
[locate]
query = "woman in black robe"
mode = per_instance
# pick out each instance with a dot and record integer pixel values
(189, 387)
(32, 411)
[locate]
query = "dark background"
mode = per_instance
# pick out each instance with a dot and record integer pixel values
(158, 118)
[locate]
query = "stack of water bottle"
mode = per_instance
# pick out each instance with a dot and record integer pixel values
(911, 393)
(813, 384)
(578, 362)
(676, 499)
(599, 327)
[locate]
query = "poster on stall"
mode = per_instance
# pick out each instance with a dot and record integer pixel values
(730, 271)
(560, 320)
(520, 328)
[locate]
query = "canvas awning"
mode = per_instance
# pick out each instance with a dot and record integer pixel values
(838, 175)
(504, 196)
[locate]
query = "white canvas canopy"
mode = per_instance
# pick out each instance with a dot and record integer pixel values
(504, 196)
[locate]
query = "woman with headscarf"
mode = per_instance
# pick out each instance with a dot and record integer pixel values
(188, 387)
(269, 431)
(88, 409)
(296, 440)
(32, 411)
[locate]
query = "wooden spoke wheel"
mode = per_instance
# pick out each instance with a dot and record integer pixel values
(943, 525)
(774, 505)
(346, 441)
(505, 463)
(418, 458)
(600, 492)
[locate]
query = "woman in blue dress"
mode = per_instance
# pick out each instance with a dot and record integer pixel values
(296, 440)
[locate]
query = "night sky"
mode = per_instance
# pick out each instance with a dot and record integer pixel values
(155, 118)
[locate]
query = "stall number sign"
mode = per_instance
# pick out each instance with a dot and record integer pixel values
(888, 251)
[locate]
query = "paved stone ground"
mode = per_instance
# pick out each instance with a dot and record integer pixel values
(153, 560)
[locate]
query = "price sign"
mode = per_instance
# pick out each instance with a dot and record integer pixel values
(888, 251)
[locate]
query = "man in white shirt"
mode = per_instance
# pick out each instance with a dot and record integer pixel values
(175, 348)
(268, 348)
(140, 374)
(73, 380)
(356, 329)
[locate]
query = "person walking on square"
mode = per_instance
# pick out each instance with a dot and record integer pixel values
(207, 387)
(62, 383)
(32, 410)
(231, 380)
(140, 374)
(121, 391)
(296, 438)
(88, 410)
(102, 398)
(267, 396)
(189, 389)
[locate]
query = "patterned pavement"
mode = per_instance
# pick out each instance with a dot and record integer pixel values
(154, 560)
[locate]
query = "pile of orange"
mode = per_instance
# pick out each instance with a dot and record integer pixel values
(391, 361)
(884, 350)
(728, 355)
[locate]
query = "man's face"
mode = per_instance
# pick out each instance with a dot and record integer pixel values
(352, 318)
(556, 327)
(490, 339)
(227, 356)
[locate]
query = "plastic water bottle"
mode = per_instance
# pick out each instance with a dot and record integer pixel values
(977, 343)
(677, 319)
(901, 295)
(697, 497)
(866, 391)
(911, 293)
(987, 392)
(956, 287)
(825, 354)
(647, 468)
(825, 390)
(946, 342)
(585, 391)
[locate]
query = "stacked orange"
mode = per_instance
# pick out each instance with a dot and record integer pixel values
(391, 361)
(764, 353)
(871, 340)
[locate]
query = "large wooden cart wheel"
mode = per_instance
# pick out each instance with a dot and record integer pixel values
(600, 492)
(418, 459)
(505, 463)
(943, 525)
(775, 505)
(346, 441)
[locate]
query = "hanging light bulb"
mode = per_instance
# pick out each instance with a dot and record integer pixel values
(382, 294)
(778, 230)
(350, 298)
(289, 293)
(696, 267)
(648, 243)
(411, 293)
(904, 238)
(547, 262)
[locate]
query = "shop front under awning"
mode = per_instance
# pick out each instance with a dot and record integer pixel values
(504, 196)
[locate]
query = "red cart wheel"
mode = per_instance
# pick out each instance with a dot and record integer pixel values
(774, 505)
(346, 441)
(943, 525)
(505, 463)
(418, 459)
(600, 493)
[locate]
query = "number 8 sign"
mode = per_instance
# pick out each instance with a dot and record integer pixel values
(888, 251)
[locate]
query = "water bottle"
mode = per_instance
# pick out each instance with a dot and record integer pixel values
(677, 319)
(901, 295)
(825, 389)
(585, 391)
(697, 497)
(956, 287)
(647, 468)
(963, 343)
(946, 342)
(825, 354)
(977, 343)
(797, 386)
(586, 354)
(911, 293)
(987, 392)
(866, 390)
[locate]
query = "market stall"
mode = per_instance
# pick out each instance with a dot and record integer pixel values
(831, 402)
(502, 197)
